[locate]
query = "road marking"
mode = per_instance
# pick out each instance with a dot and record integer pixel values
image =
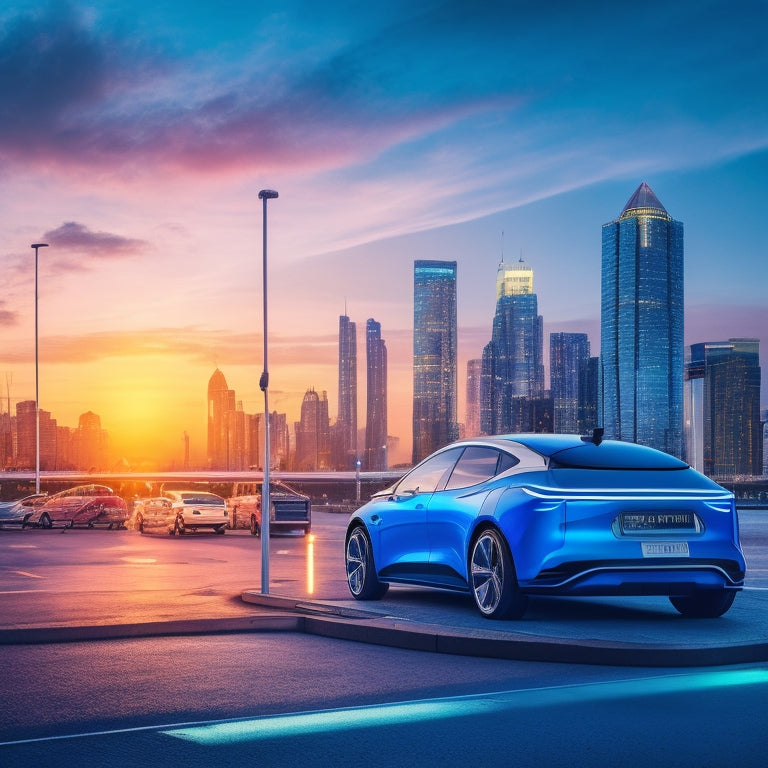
(27, 573)
(249, 729)
(276, 726)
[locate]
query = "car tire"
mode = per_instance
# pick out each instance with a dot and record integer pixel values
(45, 521)
(220, 530)
(492, 577)
(255, 527)
(140, 524)
(361, 571)
(705, 603)
(178, 526)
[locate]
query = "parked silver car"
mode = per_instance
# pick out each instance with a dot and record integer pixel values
(18, 512)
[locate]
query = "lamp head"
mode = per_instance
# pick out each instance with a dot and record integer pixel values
(267, 194)
(38, 245)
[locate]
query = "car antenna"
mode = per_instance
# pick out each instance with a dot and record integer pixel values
(596, 437)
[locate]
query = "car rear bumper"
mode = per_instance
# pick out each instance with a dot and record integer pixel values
(638, 578)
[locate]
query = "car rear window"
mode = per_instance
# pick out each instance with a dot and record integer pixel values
(614, 455)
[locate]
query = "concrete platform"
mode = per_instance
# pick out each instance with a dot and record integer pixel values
(645, 632)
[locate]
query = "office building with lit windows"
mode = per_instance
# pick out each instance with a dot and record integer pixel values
(641, 345)
(568, 356)
(345, 429)
(473, 397)
(513, 360)
(376, 398)
(434, 356)
(723, 432)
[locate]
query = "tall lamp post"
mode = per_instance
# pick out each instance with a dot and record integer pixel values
(37, 246)
(264, 195)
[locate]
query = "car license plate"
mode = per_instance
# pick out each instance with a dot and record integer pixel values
(633, 522)
(665, 548)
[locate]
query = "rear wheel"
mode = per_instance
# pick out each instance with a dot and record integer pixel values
(178, 526)
(255, 527)
(492, 578)
(140, 524)
(361, 571)
(705, 603)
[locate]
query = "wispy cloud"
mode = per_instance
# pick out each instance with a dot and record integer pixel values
(7, 316)
(72, 236)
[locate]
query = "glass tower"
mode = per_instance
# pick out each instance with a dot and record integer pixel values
(347, 415)
(723, 436)
(434, 356)
(641, 347)
(376, 398)
(568, 354)
(513, 361)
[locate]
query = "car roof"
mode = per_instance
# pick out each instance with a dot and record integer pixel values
(573, 450)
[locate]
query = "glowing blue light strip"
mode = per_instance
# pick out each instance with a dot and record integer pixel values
(625, 494)
(280, 726)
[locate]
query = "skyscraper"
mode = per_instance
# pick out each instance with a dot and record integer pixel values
(434, 356)
(472, 416)
(376, 398)
(313, 433)
(513, 360)
(346, 424)
(723, 435)
(221, 400)
(568, 354)
(641, 349)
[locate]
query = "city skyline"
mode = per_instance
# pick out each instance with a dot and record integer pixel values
(134, 140)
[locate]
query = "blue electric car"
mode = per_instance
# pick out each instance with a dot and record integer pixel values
(505, 517)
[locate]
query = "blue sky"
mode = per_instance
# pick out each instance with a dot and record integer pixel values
(134, 138)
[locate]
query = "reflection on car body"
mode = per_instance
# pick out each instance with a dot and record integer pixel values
(182, 511)
(83, 505)
(290, 511)
(515, 515)
(19, 511)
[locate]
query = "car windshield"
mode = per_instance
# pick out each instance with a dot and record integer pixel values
(614, 455)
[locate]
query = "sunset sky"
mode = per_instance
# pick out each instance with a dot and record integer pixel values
(135, 137)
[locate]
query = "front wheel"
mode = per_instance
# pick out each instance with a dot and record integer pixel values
(255, 527)
(493, 579)
(178, 526)
(140, 524)
(45, 521)
(361, 572)
(705, 603)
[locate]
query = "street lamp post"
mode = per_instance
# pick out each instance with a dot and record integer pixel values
(264, 195)
(37, 246)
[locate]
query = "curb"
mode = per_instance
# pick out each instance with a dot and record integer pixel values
(181, 627)
(343, 623)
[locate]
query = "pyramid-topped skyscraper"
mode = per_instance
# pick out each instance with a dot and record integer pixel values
(641, 349)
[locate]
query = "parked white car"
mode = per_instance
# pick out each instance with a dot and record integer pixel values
(178, 512)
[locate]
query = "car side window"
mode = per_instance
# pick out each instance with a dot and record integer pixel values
(506, 461)
(427, 476)
(477, 463)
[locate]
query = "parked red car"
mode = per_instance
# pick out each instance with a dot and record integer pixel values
(85, 505)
